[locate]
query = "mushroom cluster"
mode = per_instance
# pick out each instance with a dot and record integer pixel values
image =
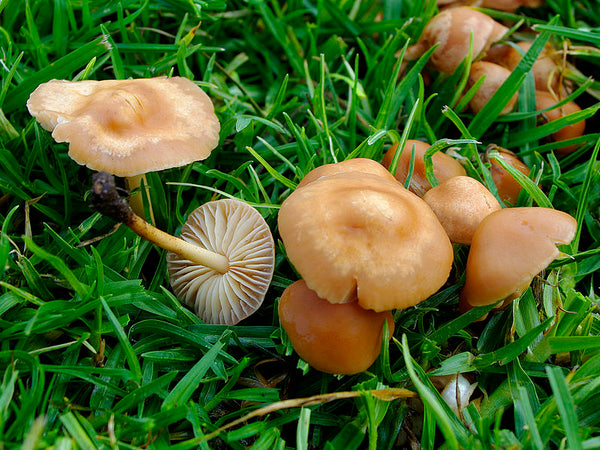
(363, 243)
(460, 32)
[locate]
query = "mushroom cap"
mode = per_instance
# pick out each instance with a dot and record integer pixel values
(444, 166)
(460, 204)
(509, 248)
(508, 188)
(128, 127)
(545, 100)
(495, 75)
(232, 228)
(363, 165)
(332, 338)
(360, 235)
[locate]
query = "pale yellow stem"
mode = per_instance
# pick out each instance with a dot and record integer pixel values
(136, 200)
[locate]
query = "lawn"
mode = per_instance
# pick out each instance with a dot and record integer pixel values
(96, 351)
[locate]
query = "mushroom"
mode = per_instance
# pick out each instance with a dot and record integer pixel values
(128, 127)
(223, 262)
(356, 234)
(460, 204)
(544, 100)
(508, 188)
(452, 29)
(509, 248)
(333, 338)
(494, 75)
(444, 166)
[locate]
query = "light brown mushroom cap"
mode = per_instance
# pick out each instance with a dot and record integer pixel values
(509, 248)
(236, 230)
(508, 188)
(332, 338)
(444, 166)
(460, 204)
(128, 127)
(363, 165)
(545, 100)
(495, 76)
(360, 235)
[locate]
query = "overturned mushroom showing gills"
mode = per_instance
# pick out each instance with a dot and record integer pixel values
(233, 256)
(356, 234)
(333, 338)
(509, 248)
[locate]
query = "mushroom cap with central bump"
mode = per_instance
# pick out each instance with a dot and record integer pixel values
(128, 127)
(236, 230)
(360, 235)
(509, 248)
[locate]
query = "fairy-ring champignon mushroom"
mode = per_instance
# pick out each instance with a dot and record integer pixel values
(128, 127)
(333, 338)
(226, 254)
(460, 204)
(359, 235)
(509, 248)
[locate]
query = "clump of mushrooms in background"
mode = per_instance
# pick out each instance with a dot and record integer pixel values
(223, 262)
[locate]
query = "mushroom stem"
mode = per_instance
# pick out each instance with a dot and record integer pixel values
(106, 200)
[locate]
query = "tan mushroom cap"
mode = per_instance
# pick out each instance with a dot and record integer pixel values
(444, 166)
(128, 127)
(332, 338)
(460, 204)
(495, 75)
(236, 230)
(363, 165)
(509, 248)
(508, 188)
(360, 235)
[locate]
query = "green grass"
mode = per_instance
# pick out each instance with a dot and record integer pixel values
(96, 352)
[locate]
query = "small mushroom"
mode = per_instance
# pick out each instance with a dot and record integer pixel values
(444, 166)
(544, 100)
(508, 188)
(128, 127)
(356, 234)
(460, 204)
(509, 248)
(333, 338)
(223, 262)
(494, 75)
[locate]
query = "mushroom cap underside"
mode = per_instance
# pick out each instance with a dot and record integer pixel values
(234, 229)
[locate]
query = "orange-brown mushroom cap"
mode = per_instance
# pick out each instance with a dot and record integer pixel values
(128, 127)
(444, 166)
(332, 338)
(460, 204)
(360, 235)
(363, 165)
(509, 248)
(234, 229)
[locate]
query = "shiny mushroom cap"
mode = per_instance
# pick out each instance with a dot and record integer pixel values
(128, 127)
(363, 165)
(509, 248)
(236, 230)
(460, 204)
(360, 235)
(333, 338)
(495, 75)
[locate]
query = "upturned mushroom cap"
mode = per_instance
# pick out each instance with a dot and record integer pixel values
(128, 127)
(363, 165)
(460, 204)
(340, 339)
(236, 230)
(509, 248)
(444, 166)
(360, 235)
